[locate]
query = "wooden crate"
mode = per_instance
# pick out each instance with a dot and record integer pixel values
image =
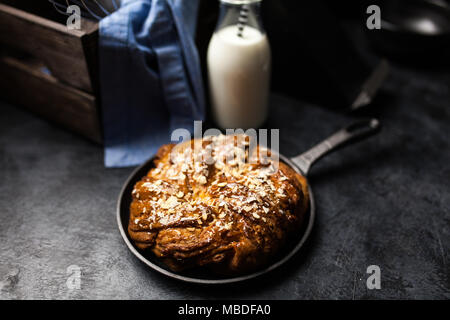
(49, 69)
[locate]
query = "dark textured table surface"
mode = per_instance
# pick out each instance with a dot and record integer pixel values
(385, 202)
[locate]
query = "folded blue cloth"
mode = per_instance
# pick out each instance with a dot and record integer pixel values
(150, 77)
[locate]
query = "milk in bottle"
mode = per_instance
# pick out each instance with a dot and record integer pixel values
(239, 63)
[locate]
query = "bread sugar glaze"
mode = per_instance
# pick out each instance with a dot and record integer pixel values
(201, 209)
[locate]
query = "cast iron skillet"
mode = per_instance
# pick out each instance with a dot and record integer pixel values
(300, 164)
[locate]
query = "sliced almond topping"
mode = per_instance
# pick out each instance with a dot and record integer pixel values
(254, 190)
(201, 180)
(219, 165)
(170, 203)
(251, 199)
(228, 225)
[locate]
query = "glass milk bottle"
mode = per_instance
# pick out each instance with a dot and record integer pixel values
(239, 63)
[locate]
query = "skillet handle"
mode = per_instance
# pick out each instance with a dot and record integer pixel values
(353, 133)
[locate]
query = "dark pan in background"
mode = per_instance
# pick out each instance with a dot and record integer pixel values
(413, 29)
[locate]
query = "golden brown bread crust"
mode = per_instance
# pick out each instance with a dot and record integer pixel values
(231, 215)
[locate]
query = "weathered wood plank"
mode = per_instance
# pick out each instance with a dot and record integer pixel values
(59, 48)
(45, 95)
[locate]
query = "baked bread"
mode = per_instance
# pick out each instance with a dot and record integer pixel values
(197, 207)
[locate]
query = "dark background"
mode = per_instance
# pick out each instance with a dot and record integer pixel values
(384, 202)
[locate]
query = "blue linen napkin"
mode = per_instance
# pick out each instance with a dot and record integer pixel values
(150, 77)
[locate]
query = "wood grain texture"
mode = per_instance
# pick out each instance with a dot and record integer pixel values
(61, 50)
(27, 85)
(32, 43)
